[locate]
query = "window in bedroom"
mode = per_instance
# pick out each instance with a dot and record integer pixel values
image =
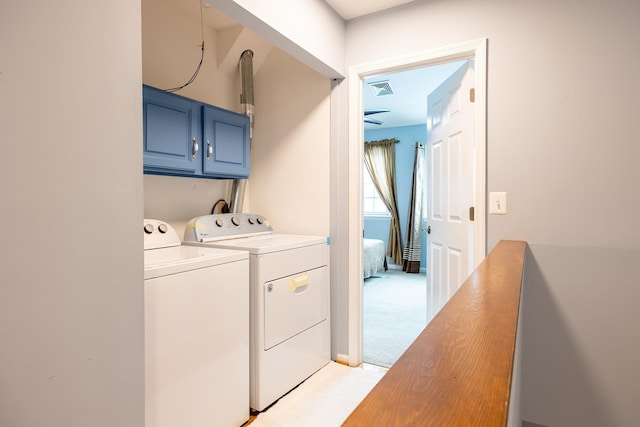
(373, 205)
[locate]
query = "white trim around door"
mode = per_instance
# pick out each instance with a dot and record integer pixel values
(476, 49)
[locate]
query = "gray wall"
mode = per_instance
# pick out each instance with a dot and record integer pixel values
(564, 143)
(71, 275)
(581, 342)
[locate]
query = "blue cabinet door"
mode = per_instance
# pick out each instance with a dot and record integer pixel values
(170, 133)
(225, 143)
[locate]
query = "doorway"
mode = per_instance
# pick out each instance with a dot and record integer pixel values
(395, 302)
(476, 50)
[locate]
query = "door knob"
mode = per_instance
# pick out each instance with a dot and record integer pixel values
(429, 229)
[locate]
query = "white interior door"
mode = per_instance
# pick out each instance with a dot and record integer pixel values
(450, 154)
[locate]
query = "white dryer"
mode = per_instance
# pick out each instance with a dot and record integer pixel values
(196, 314)
(289, 292)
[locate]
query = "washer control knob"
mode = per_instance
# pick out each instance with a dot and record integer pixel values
(219, 222)
(252, 221)
(148, 228)
(260, 220)
(162, 228)
(235, 220)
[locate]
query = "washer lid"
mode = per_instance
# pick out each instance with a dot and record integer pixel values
(178, 259)
(268, 243)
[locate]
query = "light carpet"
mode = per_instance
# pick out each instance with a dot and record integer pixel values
(324, 400)
(394, 314)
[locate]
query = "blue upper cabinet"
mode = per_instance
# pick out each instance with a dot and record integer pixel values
(184, 137)
(170, 133)
(226, 143)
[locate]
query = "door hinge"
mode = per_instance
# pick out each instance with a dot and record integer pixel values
(472, 213)
(472, 94)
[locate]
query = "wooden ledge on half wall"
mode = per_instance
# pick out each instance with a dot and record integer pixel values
(458, 371)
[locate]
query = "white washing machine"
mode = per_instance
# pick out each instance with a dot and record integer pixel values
(196, 314)
(289, 292)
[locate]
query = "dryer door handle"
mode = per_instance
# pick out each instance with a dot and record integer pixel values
(299, 283)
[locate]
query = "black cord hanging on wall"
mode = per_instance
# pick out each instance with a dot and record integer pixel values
(195, 73)
(223, 209)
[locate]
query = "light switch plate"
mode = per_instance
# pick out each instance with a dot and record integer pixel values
(498, 203)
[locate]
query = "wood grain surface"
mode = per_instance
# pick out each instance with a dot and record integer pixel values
(458, 370)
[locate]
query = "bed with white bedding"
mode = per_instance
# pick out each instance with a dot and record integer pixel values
(374, 257)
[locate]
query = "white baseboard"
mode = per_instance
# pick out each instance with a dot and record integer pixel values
(342, 358)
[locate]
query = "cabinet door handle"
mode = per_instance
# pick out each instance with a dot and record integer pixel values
(195, 149)
(209, 150)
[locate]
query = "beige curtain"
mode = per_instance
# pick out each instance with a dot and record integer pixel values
(380, 161)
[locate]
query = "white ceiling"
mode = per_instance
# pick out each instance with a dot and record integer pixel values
(408, 103)
(350, 9)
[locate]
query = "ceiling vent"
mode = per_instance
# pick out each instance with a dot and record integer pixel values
(381, 88)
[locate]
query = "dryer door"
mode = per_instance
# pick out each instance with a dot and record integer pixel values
(294, 304)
